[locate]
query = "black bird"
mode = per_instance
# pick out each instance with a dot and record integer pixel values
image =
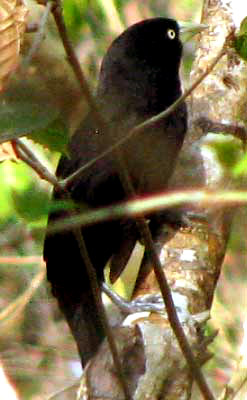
(139, 78)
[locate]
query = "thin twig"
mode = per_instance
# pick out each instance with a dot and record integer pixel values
(28, 156)
(15, 308)
(240, 132)
(73, 60)
(21, 260)
(39, 36)
(101, 309)
(135, 208)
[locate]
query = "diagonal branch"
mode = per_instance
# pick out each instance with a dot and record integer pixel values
(135, 208)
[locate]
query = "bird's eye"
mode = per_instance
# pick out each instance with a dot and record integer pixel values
(171, 33)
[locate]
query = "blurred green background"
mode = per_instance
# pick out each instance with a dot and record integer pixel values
(36, 348)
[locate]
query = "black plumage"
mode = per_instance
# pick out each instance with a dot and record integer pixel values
(139, 78)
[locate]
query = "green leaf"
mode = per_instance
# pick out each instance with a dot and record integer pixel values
(240, 43)
(241, 167)
(12, 176)
(227, 152)
(55, 136)
(243, 27)
(74, 15)
(31, 204)
(24, 113)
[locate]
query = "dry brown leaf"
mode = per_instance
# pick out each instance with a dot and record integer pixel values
(13, 15)
(7, 152)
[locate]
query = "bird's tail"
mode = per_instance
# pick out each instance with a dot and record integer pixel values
(70, 285)
(84, 321)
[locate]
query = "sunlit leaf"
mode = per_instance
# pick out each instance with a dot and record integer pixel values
(241, 167)
(13, 176)
(240, 42)
(74, 14)
(243, 27)
(227, 152)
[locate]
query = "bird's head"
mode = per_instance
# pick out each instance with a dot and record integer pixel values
(152, 44)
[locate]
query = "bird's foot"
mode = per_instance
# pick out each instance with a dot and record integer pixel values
(150, 303)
